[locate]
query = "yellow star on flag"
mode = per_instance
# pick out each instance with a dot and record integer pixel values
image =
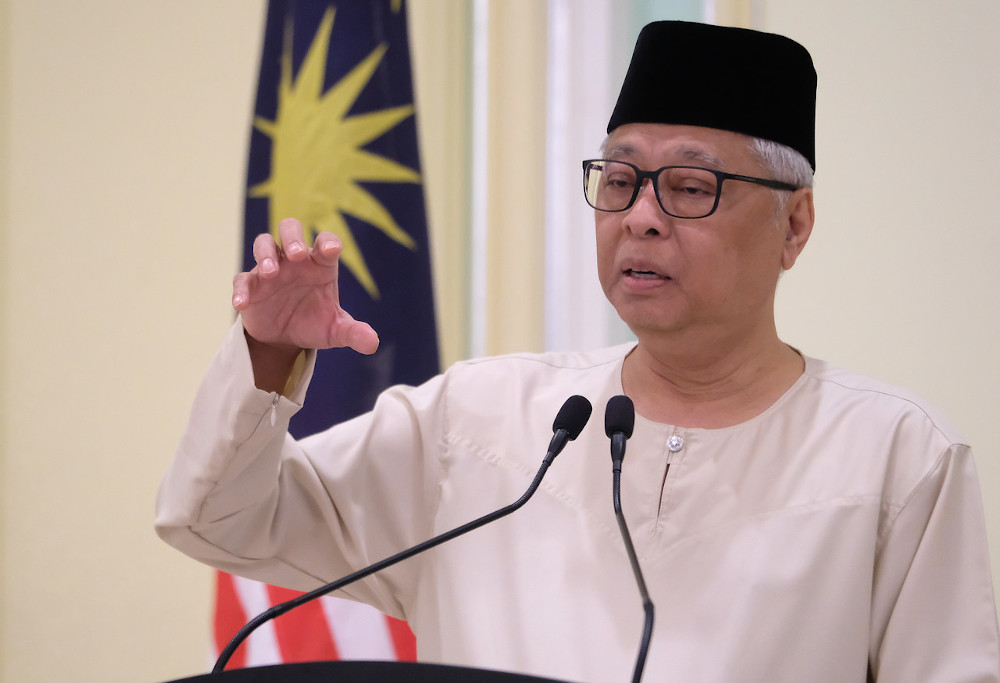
(317, 160)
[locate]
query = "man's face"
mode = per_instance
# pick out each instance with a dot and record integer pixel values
(716, 274)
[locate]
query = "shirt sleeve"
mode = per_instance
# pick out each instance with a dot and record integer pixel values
(243, 496)
(934, 618)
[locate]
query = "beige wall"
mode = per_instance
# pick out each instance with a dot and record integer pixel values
(900, 279)
(125, 152)
(122, 155)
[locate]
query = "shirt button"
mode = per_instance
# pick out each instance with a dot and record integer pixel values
(675, 443)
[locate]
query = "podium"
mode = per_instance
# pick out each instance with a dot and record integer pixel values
(363, 672)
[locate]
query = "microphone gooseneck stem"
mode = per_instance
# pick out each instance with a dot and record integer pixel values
(619, 421)
(647, 603)
(280, 609)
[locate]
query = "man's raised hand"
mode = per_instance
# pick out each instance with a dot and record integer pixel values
(290, 300)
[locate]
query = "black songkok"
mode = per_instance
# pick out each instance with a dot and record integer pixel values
(758, 84)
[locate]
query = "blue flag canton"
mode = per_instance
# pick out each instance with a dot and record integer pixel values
(334, 144)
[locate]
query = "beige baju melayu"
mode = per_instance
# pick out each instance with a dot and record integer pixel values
(842, 526)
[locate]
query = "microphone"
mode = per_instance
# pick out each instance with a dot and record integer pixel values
(619, 420)
(569, 422)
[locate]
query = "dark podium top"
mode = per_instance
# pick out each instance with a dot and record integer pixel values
(364, 672)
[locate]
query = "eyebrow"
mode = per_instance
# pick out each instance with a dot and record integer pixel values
(687, 153)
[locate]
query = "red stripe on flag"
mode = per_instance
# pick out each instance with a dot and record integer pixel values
(402, 639)
(303, 634)
(229, 618)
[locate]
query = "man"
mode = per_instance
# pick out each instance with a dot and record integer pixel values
(795, 522)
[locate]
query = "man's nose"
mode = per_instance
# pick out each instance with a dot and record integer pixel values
(645, 217)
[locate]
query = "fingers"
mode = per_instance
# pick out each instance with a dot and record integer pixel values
(266, 254)
(292, 239)
(241, 291)
(326, 248)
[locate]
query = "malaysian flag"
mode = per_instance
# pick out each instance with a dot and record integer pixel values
(324, 629)
(334, 143)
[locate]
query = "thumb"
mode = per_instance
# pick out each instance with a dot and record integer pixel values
(362, 338)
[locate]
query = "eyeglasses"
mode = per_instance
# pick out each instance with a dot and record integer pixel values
(682, 191)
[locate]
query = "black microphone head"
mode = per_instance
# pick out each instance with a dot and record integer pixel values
(619, 418)
(572, 416)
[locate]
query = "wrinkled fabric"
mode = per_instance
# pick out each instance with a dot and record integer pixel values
(840, 529)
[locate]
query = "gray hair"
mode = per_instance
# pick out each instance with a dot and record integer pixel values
(782, 162)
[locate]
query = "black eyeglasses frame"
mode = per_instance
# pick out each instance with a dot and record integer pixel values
(641, 175)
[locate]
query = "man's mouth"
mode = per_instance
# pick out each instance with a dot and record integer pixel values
(645, 274)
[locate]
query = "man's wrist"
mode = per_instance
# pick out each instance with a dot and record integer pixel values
(274, 365)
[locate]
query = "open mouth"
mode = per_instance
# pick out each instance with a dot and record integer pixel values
(644, 275)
